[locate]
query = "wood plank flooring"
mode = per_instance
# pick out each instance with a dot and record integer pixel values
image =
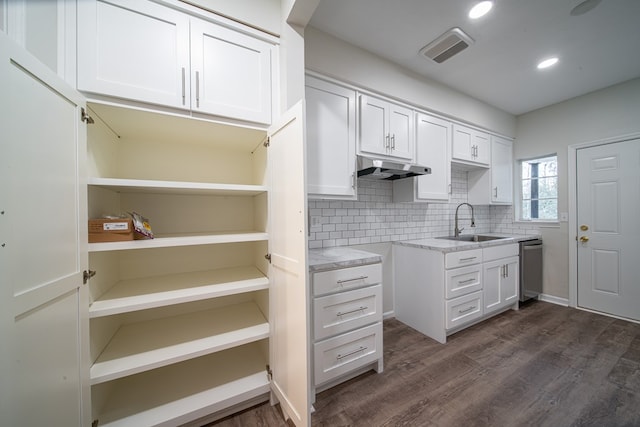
(544, 365)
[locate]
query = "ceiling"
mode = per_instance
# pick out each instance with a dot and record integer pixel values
(596, 49)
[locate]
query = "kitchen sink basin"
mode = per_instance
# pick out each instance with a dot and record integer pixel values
(472, 238)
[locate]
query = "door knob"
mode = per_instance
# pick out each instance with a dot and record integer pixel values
(584, 239)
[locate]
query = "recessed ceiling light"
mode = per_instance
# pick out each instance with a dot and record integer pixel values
(547, 63)
(480, 9)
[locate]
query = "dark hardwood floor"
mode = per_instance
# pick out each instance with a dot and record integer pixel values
(544, 365)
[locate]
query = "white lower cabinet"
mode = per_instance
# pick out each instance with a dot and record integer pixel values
(441, 293)
(347, 323)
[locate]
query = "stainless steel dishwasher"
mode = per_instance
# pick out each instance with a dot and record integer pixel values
(530, 269)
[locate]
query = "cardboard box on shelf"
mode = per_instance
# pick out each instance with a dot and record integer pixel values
(110, 230)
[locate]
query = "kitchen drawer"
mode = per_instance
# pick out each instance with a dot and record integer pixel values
(331, 281)
(342, 312)
(463, 280)
(342, 354)
(463, 309)
(502, 251)
(462, 258)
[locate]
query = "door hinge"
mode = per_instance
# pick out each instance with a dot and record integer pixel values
(95, 423)
(86, 117)
(269, 373)
(267, 142)
(268, 258)
(86, 275)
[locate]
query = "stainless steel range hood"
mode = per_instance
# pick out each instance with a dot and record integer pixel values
(378, 169)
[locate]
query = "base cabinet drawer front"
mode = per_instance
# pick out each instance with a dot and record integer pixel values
(502, 251)
(462, 281)
(463, 309)
(462, 258)
(327, 282)
(338, 313)
(344, 353)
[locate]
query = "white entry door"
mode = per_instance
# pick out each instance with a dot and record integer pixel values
(608, 194)
(43, 235)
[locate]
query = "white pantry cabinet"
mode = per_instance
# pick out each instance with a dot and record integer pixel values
(331, 140)
(433, 148)
(144, 51)
(130, 346)
(494, 186)
(470, 146)
(386, 129)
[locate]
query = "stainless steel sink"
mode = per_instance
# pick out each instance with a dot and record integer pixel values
(472, 238)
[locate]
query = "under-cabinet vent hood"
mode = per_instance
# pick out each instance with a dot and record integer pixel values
(370, 168)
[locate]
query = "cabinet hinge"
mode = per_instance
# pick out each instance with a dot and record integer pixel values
(268, 258)
(269, 373)
(267, 142)
(85, 117)
(86, 275)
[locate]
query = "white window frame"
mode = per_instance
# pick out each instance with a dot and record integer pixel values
(518, 210)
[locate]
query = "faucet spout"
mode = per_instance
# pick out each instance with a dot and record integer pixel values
(456, 230)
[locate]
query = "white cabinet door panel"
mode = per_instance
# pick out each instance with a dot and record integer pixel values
(401, 129)
(374, 128)
(501, 170)
(135, 50)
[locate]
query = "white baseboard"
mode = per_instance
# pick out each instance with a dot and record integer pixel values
(389, 315)
(554, 300)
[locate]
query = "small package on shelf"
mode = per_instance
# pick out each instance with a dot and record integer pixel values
(110, 229)
(141, 226)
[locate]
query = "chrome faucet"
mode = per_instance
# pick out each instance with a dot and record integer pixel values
(456, 230)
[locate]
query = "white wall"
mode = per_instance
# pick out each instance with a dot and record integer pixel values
(610, 112)
(336, 58)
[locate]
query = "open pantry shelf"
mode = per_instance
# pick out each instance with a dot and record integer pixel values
(151, 292)
(139, 347)
(176, 187)
(165, 241)
(186, 391)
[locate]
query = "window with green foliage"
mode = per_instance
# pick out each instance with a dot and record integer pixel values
(539, 190)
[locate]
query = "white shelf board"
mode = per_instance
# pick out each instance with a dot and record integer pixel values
(184, 392)
(151, 292)
(172, 240)
(176, 187)
(139, 347)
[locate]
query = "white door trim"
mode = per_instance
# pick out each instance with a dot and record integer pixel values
(573, 207)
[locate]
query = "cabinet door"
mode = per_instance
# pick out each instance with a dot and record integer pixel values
(288, 294)
(401, 129)
(374, 126)
(433, 141)
(470, 145)
(482, 146)
(331, 140)
(230, 73)
(501, 170)
(491, 277)
(43, 253)
(134, 49)
(509, 287)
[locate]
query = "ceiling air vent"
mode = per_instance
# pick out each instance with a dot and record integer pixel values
(447, 45)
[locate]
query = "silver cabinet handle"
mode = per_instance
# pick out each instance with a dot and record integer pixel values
(502, 270)
(506, 267)
(495, 192)
(342, 356)
(393, 141)
(183, 87)
(466, 310)
(469, 258)
(387, 143)
(197, 89)
(464, 282)
(351, 311)
(340, 282)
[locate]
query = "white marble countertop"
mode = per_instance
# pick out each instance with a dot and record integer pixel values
(445, 246)
(339, 257)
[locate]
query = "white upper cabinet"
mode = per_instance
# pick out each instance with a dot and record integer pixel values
(386, 129)
(470, 146)
(142, 51)
(232, 73)
(495, 185)
(433, 142)
(331, 140)
(135, 50)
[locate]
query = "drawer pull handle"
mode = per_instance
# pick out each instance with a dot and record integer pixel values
(468, 259)
(342, 356)
(464, 282)
(466, 310)
(351, 311)
(340, 282)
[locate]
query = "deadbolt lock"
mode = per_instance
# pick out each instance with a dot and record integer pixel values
(584, 227)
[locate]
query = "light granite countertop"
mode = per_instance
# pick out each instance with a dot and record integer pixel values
(446, 246)
(339, 257)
